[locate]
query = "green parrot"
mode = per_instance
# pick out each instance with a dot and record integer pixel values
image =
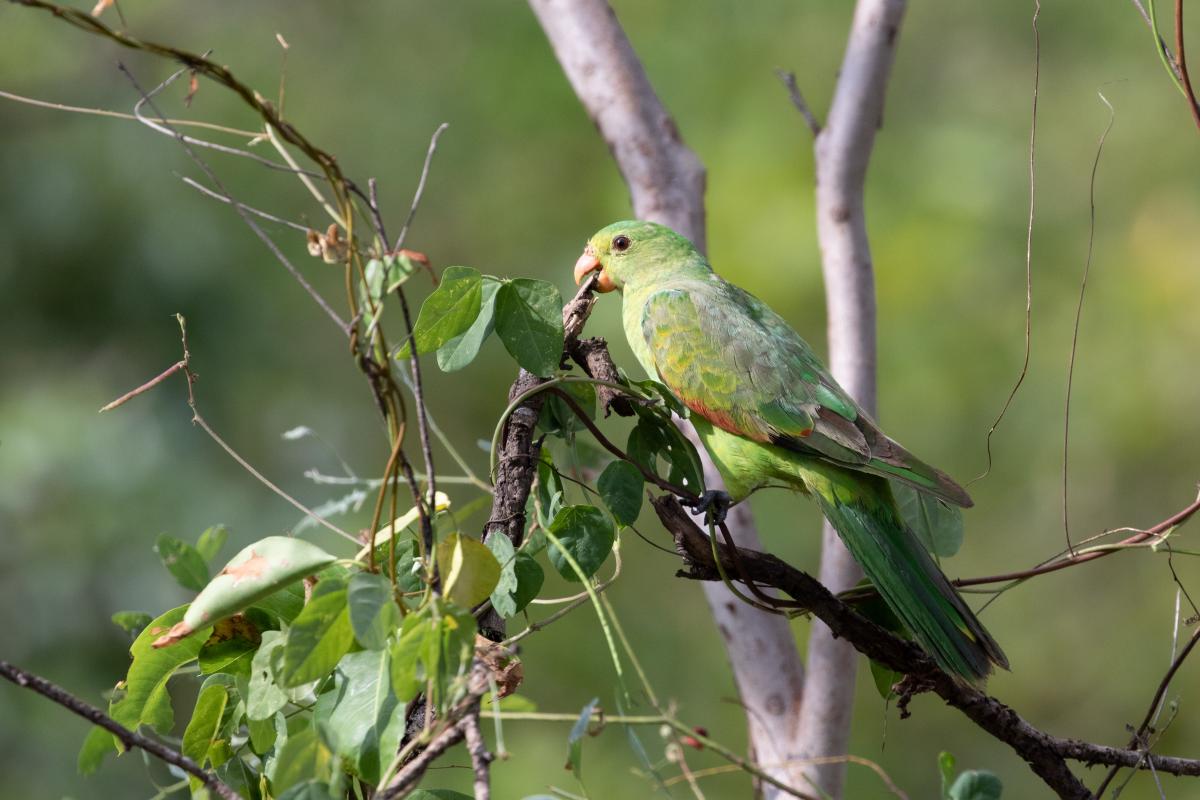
(768, 412)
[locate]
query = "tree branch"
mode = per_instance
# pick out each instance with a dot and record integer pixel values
(1045, 754)
(842, 151)
(128, 738)
(666, 184)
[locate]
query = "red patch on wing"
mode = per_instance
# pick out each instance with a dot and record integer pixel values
(722, 419)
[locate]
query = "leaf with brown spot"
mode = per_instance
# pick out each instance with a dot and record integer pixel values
(256, 572)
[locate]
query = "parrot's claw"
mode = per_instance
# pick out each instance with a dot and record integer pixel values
(713, 501)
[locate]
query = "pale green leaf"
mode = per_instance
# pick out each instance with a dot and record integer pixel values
(469, 570)
(205, 724)
(976, 785)
(462, 349)
(939, 526)
(521, 577)
(145, 699)
(319, 636)
(373, 612)
(447, 312)
(253, 574)
(303, 757)
(211, 541)
(265, 696)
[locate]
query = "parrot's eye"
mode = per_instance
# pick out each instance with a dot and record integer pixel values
(621, 243)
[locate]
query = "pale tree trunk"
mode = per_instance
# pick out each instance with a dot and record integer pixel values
(666, 184)
(842, 151)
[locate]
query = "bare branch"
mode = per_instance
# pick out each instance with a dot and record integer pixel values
(794, 94)
(416, 202)
(1045, 754)
(842, 152)
(128, 738)
(220, 188)
(481, 759)
(1138, 739)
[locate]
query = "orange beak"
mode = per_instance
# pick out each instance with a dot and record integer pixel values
(589, 263)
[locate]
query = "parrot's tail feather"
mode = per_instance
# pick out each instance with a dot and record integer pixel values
(864, 513)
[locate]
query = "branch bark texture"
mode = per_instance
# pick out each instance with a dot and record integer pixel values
(842, 151)
(128, 738)
(1046, 754)
(666, 184)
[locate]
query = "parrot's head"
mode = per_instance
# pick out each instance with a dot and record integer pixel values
(633, 250)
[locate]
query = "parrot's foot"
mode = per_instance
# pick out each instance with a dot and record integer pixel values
(713, 503)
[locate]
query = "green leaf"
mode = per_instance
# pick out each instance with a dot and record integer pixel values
(205, 725)
(145, 700)
(874, 609)
(285, 604)
(884, 678)
(438, 794)
(183, 561)
(253, 574)
(461, 350)
(262, 733)
(303, 757)
(239, 776)
(309, 790)
(655, 435)
(319, 637)
(231, 647)
(448, 312)
(575, 739)
(468, 568)
(939, 526)
(373, 613)
(976, 785)
(584, 532)
(521, 577)
(549, 494)
(211, 542)
(529, 323)
(946, 770)
(265, 696)
(620, 487)
(406, 653)
(360, 718)
(132, 622)
(96, 745)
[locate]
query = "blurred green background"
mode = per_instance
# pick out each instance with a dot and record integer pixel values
(100, 243)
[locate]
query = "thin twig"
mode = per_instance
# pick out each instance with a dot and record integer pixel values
(1138, 739)
(212, 177)
(1045, 754)
(481, 759)
(1181, 64)
(199, 420)
(416, 202)
(128, 738)
(145, 387)
(797, 98)
(1037, 68)
(1087, 268)
(104, 112)
(229, 200)
(1083, 557)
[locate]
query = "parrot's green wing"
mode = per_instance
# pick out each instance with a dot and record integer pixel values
(736, 363)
